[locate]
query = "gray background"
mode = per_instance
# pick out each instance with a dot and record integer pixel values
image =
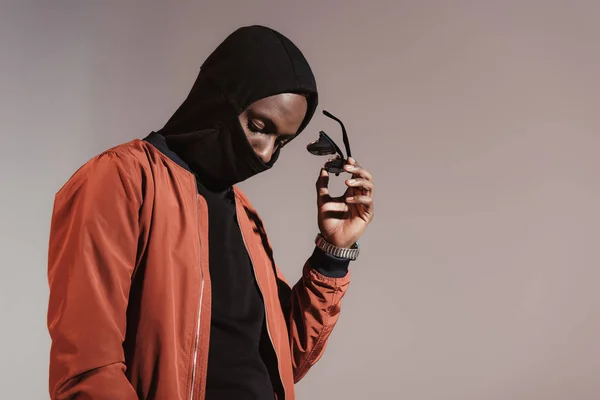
(479, 120)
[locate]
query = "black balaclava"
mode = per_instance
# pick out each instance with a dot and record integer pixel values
(254, 62)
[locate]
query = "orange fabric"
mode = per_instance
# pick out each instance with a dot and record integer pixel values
(130, 294)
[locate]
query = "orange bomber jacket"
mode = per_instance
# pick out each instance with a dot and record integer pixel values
(130, 294)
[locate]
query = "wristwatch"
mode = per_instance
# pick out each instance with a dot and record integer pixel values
(340, 252)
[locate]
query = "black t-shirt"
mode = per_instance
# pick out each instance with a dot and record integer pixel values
(236, 369)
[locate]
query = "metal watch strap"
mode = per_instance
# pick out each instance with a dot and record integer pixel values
(340, 252)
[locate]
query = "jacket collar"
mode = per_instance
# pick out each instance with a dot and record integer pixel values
(157, 140)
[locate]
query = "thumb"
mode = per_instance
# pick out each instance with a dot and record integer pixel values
(322, 183)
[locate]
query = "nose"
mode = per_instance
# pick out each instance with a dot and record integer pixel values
(266, 150)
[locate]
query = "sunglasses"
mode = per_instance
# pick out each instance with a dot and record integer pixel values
(325, 146)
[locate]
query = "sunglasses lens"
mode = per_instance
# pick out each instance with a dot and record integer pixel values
(335, 166)
(321, 147)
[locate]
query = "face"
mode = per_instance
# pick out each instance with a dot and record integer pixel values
(270, 122)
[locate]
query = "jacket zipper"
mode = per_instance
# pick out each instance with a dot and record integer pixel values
(265, 306)
(195, 361)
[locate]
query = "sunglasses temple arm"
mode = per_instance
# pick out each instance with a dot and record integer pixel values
(345, 139)
(344, 134)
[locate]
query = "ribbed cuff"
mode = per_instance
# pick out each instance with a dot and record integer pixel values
(328, 265)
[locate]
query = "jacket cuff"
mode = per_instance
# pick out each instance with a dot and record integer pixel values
(328, 265)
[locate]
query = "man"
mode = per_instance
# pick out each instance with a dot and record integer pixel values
(162, 280)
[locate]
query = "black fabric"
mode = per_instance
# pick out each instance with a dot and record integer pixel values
(328, 265)
(236, 369)
(252, 63)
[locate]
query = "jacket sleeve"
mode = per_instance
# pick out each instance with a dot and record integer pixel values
(92, 254)
(312, 306)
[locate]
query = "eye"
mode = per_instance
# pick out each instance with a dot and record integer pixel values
(254, 128)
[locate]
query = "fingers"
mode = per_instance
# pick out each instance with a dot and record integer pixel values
(361, 178)
(360, 183)
(364, 201)
(322, 183)
(357, 170)
(359, 199)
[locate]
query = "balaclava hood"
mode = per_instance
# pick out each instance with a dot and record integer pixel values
(252, 63)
